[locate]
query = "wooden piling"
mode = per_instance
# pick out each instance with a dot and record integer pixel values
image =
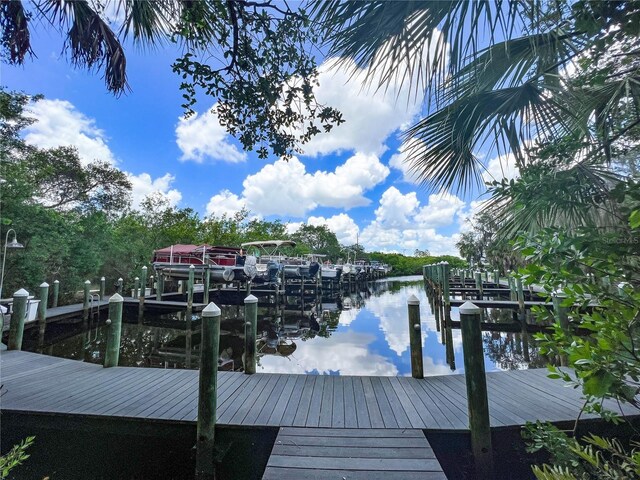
(207, 286)
(561, 314)
(512, 287)
(119, 289)
(152, 285)
(477, 397)
(55, 294)
(86, 299)
(114, 330)
(136, 287)
(522, 316)
(160, 289)
(42, 306)
(478, 278)
(18, 315)
(103, 286)
(496, 278)
(143, 291)
(415, 337)
(192, 270)
(209, 353)
(250, 333)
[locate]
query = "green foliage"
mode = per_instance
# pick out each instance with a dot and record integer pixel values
(601, 338)
(254, 58)
(59, 208)
(596, 271)
(16, 456)
(485, 245)
(265, 89)
(317, 239)
(593, 457)
(404, 265)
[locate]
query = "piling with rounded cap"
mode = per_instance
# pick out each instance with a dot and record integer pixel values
(136, 287)
(42, 306)
(16, 327)
(86, 297)
(477, 398)
(114, 329)
(208, 382)
(103, 286)
(120, 284)
(143, 283)
(56, 292)
(192, 270)
(250, 333)
(415, 337)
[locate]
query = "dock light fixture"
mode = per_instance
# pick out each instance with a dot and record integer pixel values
(13, 244)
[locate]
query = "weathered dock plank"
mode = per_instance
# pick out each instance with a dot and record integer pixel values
(38, 383)
(325, 453)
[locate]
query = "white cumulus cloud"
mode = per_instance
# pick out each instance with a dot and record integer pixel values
(201, 138)
(395, 208)
(60, 124)
(143, 185)
(225, 203)
(402, 160)
(342, 225)
(503, 166)
(441, 210)
(286, 188)
(370, 115)
(402, 225)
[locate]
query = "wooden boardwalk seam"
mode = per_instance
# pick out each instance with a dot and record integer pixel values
(39, 383)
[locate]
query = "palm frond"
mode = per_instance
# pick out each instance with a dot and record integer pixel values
(149, 22)
(15, 36)
(426, 38)
(443, 157)
(511, 62)
(90, 41)
(550, 197)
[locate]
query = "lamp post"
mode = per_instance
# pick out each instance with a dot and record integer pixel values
(13, 244)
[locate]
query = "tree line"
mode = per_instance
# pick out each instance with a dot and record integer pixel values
(76, 221)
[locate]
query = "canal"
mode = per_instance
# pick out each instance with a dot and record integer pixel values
(362, 333)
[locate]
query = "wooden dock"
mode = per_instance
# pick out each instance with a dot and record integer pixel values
(354, 454)
(506, 304)
(37, 383)
(151, 305)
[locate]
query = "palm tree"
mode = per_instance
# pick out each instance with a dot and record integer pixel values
(498, 78)
(90, 40)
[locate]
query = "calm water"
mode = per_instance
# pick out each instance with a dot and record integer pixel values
(365, 333)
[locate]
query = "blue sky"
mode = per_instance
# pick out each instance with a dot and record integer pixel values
(351, 179)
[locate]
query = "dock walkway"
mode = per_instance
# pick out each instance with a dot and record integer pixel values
(37, 383)
(355, 454)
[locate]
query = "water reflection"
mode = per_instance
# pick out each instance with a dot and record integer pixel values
(362, 333)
